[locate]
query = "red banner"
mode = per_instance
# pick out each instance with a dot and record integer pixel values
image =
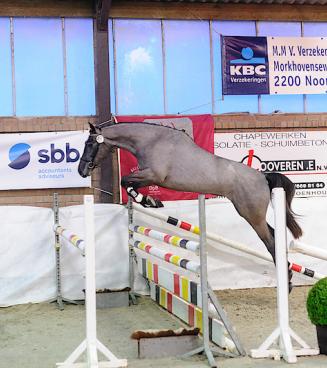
(199, 127)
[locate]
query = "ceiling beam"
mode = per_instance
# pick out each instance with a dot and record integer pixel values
(161, 10)
(217, 11)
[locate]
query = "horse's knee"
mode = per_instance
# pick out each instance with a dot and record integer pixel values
(266, 234)
(124, 182)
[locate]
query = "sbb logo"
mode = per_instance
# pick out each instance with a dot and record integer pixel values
(20, 157)
(56, 155)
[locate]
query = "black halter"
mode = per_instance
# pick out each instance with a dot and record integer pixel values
(91, 150)
(106, 123)
(93, 142)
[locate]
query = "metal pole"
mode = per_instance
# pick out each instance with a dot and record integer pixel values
(131, 253)
(204, 281)
(57, 249)
(59, 298)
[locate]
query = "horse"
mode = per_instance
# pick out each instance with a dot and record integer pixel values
(168, 157)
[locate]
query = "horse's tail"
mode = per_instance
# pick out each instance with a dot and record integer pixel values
(278, 180)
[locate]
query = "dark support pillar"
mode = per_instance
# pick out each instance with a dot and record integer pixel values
(102, 86)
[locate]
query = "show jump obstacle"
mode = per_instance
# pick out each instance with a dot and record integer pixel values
(182, 297)
(175, 287)
(91, 345)
(283, 334)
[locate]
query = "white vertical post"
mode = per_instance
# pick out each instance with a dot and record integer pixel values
(91, 344)
(90, 296)
(283, 334)
(279, 204)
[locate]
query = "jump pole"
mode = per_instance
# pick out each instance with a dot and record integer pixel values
(308, 250)
(217, 238)
(283, 334)
(91, 344)
(196, 230)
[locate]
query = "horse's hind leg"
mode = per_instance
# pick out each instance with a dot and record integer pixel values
(267, 234)
(137, 180)
(253, 209)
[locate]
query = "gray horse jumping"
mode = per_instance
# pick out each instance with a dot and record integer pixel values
(168, 157)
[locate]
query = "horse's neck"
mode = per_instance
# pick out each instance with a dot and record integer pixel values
(126, 137)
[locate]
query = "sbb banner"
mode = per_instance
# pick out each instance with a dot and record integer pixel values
(274, 65)
(300, 155)
(41, 160)
(199, 127)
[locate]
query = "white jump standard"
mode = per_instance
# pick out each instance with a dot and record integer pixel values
(91, 344)
(283, 334)
(59, 299)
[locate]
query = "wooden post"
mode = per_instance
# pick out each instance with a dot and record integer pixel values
(109, 167)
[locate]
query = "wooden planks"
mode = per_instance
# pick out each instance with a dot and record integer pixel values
(165, 10)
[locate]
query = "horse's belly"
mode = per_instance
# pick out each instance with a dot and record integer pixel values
(195, 183)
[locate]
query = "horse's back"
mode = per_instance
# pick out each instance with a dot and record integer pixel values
(188, 167)
(180, 164)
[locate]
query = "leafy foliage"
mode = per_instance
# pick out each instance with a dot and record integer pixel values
(317, 303)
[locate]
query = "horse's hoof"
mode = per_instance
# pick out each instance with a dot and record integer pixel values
(159, 203)
(290, 275)
(152, 202)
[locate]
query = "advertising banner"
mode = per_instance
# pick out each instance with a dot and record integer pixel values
(199, 127)
(245, 65)
(274, 65)
(300, 155)
(41, 160)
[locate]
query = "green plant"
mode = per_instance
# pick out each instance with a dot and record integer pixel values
(317, 303)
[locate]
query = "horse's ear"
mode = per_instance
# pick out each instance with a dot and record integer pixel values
(92, 128)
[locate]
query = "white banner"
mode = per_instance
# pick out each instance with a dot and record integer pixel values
(301, 155)
(41, 160)
(297, 65)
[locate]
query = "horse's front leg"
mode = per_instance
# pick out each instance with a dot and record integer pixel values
(137, 180)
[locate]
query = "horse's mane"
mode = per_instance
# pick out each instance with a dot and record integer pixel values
(108, 124)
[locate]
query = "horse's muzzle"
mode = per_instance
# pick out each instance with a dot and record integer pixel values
(84, 169)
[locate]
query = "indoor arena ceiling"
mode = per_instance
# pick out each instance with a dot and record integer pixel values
(288, 2)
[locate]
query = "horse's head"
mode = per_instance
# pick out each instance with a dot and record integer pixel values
(91, 155)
